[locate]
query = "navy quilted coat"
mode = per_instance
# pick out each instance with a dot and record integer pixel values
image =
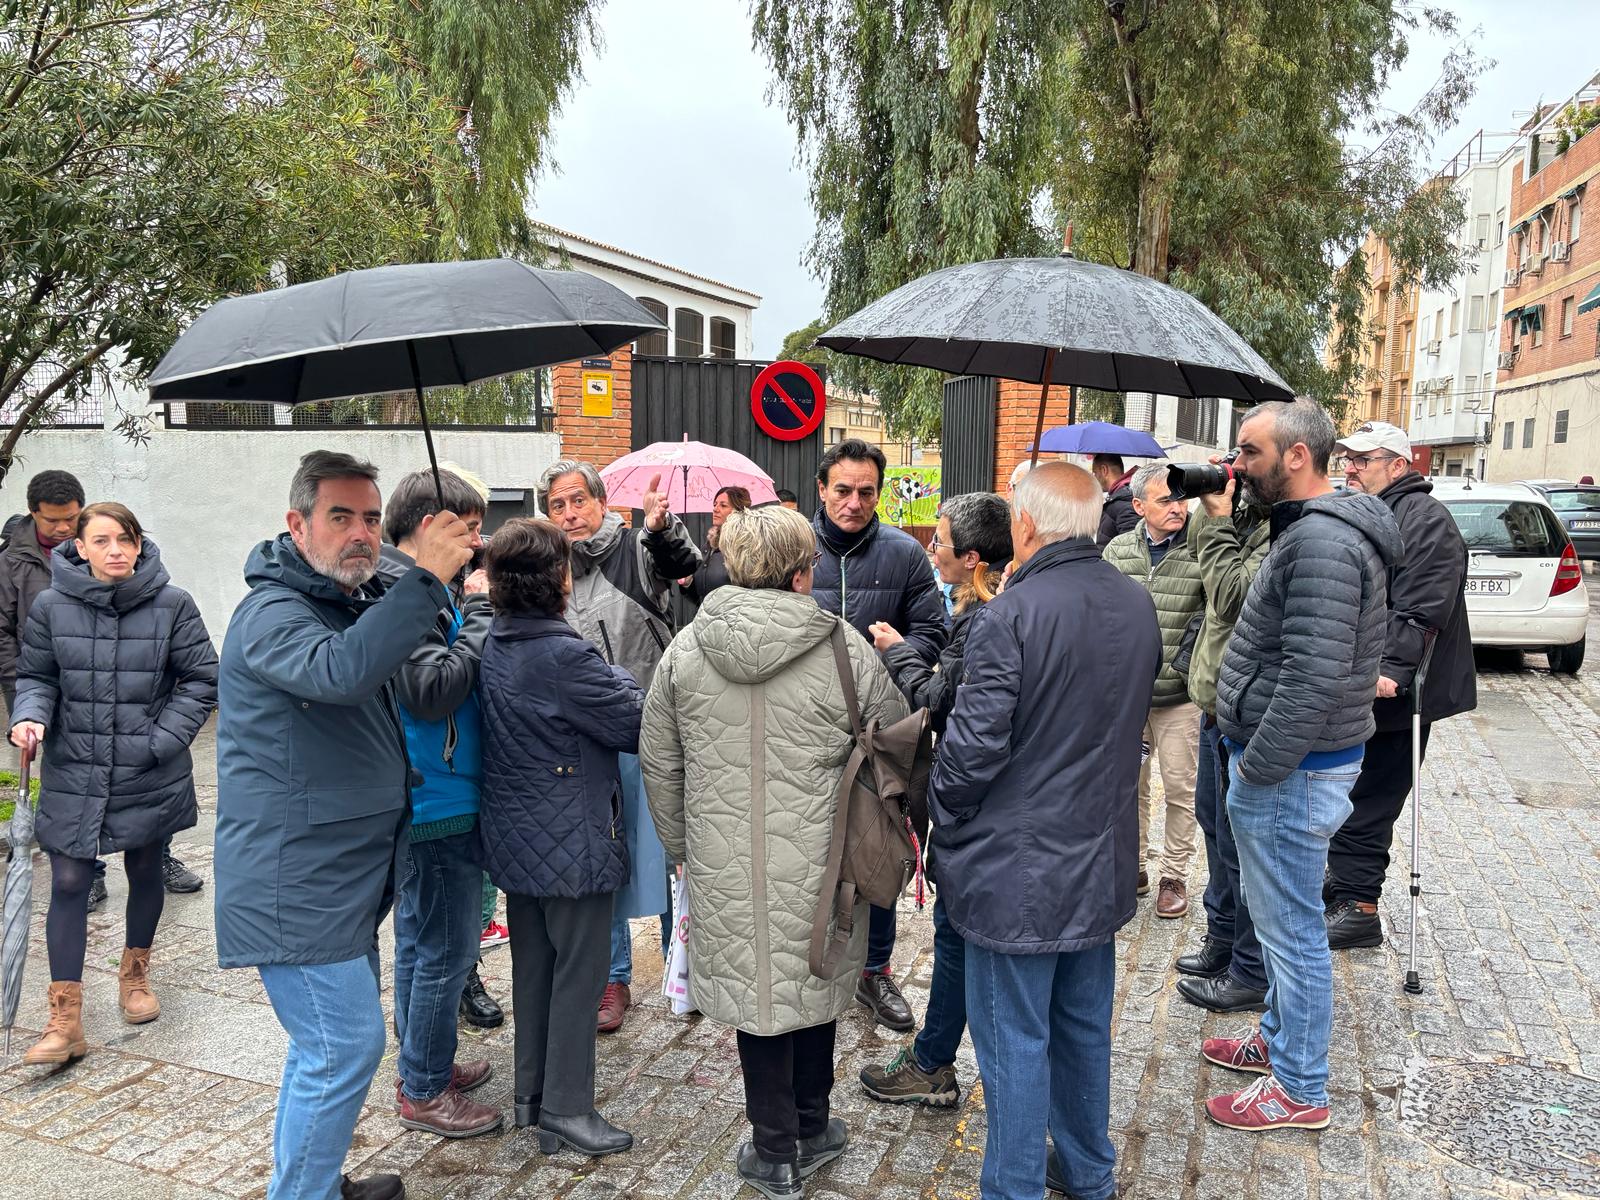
(122, 676)
(555, 715)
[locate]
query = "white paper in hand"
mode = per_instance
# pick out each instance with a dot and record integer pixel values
(675, 980)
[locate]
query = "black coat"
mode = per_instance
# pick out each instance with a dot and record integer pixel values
(711, 574)
(924, 687)
(1426, 591)
(1032, 792)
(1117, 516)
(122, 676)
(881, 575)
(555, 715)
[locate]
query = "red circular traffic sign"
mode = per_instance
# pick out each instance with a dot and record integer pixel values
(788, 401)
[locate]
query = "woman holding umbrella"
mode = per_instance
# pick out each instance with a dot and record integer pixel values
(713, 573)
(115, 678)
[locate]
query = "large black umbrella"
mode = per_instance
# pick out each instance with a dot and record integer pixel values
(1059, 321)
(393, 329)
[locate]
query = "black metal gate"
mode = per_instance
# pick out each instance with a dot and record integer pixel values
(966, 443)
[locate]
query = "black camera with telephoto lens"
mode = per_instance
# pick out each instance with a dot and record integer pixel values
(1186, 481)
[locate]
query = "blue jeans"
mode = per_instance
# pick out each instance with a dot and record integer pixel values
(1283, 832)
(1041, 1024)
(437, 924)
(1227, 916)
(622, 947)
(946, 1018)
(880, 938)
(336, 1040)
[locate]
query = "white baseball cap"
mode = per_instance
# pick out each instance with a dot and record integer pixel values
(1376, 435)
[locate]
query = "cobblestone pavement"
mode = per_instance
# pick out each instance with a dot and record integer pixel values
(1484, 1085)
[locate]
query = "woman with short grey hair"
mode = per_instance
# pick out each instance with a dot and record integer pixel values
(745, 739)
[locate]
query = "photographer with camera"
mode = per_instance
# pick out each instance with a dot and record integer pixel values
(1426, 595)
(1228, 541)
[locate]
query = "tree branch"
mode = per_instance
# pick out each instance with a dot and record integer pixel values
(84, 361)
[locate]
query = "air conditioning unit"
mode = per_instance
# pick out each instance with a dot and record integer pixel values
(1508, 359)
(1513, 276)
(1559, 251)
(1434, 346)
(1536, 265)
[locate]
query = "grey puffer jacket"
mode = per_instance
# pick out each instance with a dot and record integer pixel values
(745, 737)
(122, 676)
(1301, 668)
(621, 581)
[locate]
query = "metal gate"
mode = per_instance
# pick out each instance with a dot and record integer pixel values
(966, 443)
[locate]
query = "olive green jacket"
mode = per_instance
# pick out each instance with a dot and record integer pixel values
(1228, 559)
(1174, 584)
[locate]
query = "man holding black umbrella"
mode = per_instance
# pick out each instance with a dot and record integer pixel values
(313, 796)
(1426, 592)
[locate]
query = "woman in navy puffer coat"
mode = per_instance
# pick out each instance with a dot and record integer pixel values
(116, 677)
(555, 715)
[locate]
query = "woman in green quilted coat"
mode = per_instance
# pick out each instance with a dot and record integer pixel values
(745, 739)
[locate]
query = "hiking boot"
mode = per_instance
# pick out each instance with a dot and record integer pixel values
(1238, 1053)
(614, 1002)
(62, 1039)
(1222, 993)
(817, 1152)
(777, 1181)
(1173, 901)
(1144, 883)
(139, 1003)
(1263, 1106)
(879, 992)
(478, 1008)
(495, 934)
(589, 1134)
(373, 1187)
(1354, 925)
(904, 1082)
(176, 877)
(1209, 961)
(97, 893)
(450, 1114)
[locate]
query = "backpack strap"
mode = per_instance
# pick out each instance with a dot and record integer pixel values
(847, 678)
(837, 900)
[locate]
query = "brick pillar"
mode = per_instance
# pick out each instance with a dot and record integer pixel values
(597, 439)
(1016, 411)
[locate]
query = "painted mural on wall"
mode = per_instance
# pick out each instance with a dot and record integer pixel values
(910, 496)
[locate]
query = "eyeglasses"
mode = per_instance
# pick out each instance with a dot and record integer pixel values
(1362, 461)
(935, 543)
(815, 559)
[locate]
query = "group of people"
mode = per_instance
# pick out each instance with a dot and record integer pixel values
(396, 720)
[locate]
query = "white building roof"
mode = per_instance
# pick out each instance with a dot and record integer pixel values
(587, 249)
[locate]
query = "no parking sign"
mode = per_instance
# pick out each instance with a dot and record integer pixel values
(788, 401)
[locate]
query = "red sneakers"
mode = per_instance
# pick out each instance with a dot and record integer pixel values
(495, 935)
(1238, 1054)
(1265, 1106)
(614, 1002)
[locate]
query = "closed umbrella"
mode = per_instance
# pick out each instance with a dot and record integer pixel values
(18, 911)
(396, 329)
(1100, 437)
(1059, 321)
(694, 472)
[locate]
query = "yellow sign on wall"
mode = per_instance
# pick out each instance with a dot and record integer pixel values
(597, 393)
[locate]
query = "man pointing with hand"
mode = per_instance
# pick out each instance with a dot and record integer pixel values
(313, 796)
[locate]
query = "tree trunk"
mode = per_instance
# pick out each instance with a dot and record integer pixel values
(1151, 234)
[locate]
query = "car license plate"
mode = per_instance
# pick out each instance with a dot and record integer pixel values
(1488, 587)
(1586, 524)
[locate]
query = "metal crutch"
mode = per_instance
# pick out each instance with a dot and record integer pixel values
(1413, 980)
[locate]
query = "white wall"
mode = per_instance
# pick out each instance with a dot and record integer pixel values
(207, 497)
(676, 298)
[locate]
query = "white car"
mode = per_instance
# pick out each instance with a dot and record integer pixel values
(1525, 584)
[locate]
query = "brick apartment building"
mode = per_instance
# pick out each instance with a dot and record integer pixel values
(1389, 319)
(1546, 421)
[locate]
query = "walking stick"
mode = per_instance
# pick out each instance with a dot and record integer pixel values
(1413, 980)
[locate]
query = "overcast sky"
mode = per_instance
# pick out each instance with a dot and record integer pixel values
(669, 148)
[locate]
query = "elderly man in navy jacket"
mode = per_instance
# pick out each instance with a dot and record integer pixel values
(313, 797)
(1037, 833)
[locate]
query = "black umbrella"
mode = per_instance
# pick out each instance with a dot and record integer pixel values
(393, 329)
(1059, 321)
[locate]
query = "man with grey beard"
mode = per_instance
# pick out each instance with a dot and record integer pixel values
(313, 796)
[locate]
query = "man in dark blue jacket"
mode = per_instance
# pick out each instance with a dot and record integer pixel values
(868, 572)
(313, 797)
(1037, 833)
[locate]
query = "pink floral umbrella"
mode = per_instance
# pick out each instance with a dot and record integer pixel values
(691, 472)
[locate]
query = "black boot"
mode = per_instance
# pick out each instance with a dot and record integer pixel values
(589, 1134)
(1222, 994)
(527, 1111)
(817, 1152)
(1053, 1179)
(1211, 959)
(373, 1187)
(778, 1181)
(477, 1006)
(1349, 928)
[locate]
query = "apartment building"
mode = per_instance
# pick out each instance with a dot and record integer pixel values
(1389, 321)
(1547, 401)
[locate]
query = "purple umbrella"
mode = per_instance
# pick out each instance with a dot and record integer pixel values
(1099, 437)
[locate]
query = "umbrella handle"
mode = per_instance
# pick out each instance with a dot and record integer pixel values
(29, 748)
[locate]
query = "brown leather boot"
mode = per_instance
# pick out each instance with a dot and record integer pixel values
(62, 1040)
(139, 1003)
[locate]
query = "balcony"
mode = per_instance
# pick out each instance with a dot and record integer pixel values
(1450, 428)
